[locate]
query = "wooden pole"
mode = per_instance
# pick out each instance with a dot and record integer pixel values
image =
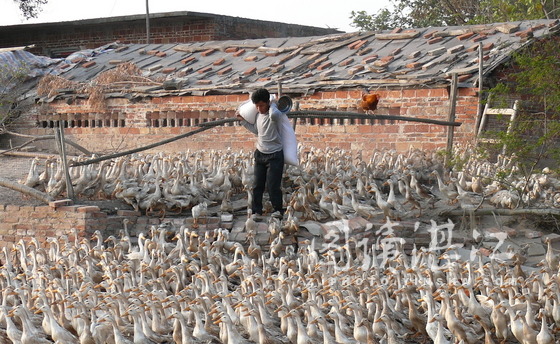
(147, 22)
(26, 190)
(480, 71)
(451, 117)
(62, 150)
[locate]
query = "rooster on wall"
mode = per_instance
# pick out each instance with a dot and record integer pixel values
(369, 102)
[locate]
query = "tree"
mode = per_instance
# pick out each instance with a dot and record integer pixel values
(30, 8)
(11, 78)
(424, 13)
(534, 141)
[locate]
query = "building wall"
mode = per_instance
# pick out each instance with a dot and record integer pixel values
(60, 39)
(124, 125)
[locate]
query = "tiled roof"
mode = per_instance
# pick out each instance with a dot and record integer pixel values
(403, 58)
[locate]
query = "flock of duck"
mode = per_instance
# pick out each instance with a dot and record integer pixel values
(181, 285)
(328, 183)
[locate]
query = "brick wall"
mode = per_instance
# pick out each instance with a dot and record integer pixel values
(62, 218)
(124, 125)
(59, 39)
(42, 222)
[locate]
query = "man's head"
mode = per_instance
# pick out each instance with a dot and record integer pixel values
(261, 99)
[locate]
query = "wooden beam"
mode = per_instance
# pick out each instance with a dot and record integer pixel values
(451, 116)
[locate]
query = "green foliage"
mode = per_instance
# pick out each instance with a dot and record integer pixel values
(533, 78)
(30, 8)
(425, 13)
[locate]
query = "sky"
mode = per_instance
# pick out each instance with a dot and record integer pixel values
(335, 15)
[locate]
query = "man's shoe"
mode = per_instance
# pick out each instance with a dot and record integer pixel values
(277, 215)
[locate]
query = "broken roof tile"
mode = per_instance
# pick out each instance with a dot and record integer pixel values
(507, 28)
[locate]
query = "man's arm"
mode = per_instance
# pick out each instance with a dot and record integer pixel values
(251, 127)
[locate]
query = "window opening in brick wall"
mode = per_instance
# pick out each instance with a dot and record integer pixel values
(155, 123)
(172, 122)
(93, 123)
(115, 122)
(79, 123)
(179, 122)
(164, 122)
(107, 122)
(123, 124)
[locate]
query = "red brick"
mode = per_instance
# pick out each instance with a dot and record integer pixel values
(271, 53)
(478, 38)
(219, 62)
(89, 64)
(88, 209)
(360, 44)
(152, 52)
(488, 46)
(369, 59)
(122, 212)
(356, 69)
(250, 70)
(324, 65)
(60, 203)
(346, 62)
(168, 70)
(204, 70)
(161, 54)
(224, 70)
(231, 50)
(208, 52)
(414, 65)
(251, 58)
(239, 52)
(465, 36)
(435, 40)
(68, 208)
(188, 60)
(396, 30)
(204, 82)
